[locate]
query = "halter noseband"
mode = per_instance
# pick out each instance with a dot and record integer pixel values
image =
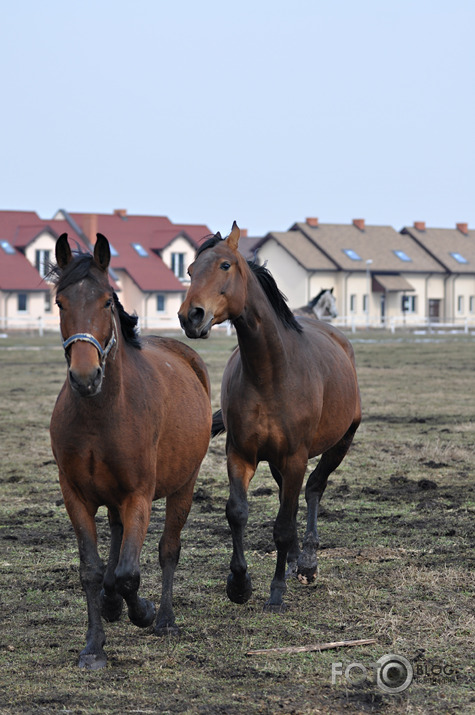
(88, 338)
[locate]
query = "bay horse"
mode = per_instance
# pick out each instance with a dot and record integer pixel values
(322, 306)
(289, 393)
(131, 424)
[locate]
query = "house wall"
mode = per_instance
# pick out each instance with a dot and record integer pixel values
(145, 304)
(179, 245)
(34, 315)
(291, 278)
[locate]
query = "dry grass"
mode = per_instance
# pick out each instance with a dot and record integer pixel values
(396, 562)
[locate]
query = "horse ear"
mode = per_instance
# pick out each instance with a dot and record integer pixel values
(218, 235)
(102, 252)
(234, 236)
(63, 251)
(331, 290)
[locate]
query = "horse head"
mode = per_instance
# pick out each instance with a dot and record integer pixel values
(86, 304)
(217, 290)
(324, 305)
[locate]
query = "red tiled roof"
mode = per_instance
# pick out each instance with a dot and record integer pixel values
(17, 273)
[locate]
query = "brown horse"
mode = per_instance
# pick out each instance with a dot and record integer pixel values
(289, 393)
(131, 424)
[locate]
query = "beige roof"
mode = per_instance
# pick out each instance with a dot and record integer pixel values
(444, 242)
(303, 250)
(374, 243)
(390, 283)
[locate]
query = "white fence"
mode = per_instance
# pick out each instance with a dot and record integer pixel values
(349, 322)
(415, 324)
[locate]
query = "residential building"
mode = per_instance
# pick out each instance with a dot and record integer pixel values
(379, 276)
(150, 257)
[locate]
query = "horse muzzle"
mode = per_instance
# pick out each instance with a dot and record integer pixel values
(86, 385)
(196, 323)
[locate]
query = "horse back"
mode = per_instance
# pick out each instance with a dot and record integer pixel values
(184, 352)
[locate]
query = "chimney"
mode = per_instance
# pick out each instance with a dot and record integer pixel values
(243, 232)
(420, 225)
(463, 228)
(312, 222)
(120, 212)
(359, 223)
(90, 227)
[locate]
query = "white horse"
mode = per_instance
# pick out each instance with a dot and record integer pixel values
(323, 306)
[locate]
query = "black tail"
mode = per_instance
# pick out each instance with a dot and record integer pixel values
(217, 426)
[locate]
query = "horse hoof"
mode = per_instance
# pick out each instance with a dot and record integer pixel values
(274, 607)
(239, 593)
(307, 576)
(166, 630)
(92, 661)
(144, 616)
(111, 607)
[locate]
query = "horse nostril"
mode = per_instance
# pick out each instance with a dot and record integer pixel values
(196, 315)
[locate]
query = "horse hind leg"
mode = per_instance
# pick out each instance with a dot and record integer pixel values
(316, 485)
(135, 517)
(294, 550)
(111, 599)
(177, 509)
(285, 532)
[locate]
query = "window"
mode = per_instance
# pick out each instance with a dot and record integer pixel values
(7, 247)
(408, 304)
(403, 256)
(178, 264)
(472, 303)
(42, 261)
(365, 303)
(138, 248)
(22, 303)
(47, 302)
(460, 303)
(351, 254)
(160, 303)
(353, 303)
(458, 257)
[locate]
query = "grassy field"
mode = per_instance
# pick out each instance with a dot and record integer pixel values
(395, 563)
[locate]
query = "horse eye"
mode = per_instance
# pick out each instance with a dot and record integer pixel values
(108, 303)
(225, 266)
(59, 304)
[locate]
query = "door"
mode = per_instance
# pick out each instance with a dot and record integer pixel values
(434, 310)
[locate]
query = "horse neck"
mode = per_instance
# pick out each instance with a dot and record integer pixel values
(261, 335)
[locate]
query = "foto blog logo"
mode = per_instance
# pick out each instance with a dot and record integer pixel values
(393, 673)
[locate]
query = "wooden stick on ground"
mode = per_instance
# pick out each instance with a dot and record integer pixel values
(314, 647)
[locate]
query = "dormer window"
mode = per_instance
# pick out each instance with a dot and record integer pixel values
(178, 265)
(403, 256)
(7, 247)
(352, 254)
(138, 248)
(458, 257)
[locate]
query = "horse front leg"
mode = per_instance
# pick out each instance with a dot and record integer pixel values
(91, 570)
(177, 509)
(307, 563)
(239, 585)
(135, 517)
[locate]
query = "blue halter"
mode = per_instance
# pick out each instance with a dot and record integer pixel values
(88, 338)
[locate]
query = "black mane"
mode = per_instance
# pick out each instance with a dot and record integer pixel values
(79, 269)
(315, 300)
(267, 282)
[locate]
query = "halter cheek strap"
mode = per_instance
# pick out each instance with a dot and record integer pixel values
(88, 338)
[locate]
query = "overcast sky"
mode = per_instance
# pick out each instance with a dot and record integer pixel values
(262, 111)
